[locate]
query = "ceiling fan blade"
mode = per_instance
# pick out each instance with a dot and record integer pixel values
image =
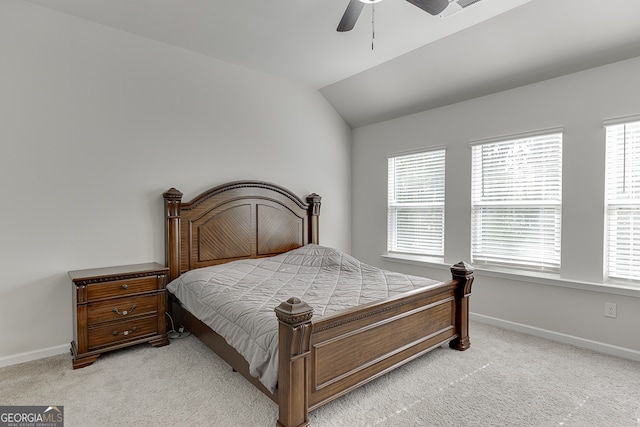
(351, 15)
(433, 7)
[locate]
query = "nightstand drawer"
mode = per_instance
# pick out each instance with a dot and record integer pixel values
(118, 288)
(122, 308)
(112, 333)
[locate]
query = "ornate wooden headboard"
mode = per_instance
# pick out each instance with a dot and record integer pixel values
(242, 219)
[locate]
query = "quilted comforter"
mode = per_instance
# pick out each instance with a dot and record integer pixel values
(237, 299)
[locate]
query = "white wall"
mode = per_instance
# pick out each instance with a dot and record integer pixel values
(572, 307)
(95, 124)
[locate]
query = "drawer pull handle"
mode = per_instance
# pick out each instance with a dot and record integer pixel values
(125, 286)
(116, 333)
(124, 312)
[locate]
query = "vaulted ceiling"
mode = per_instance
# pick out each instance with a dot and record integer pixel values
(418, 61)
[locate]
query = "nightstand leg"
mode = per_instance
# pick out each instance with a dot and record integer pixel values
(81, 362)
(159, 342)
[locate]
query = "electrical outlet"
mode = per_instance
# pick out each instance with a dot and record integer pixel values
(610, 309)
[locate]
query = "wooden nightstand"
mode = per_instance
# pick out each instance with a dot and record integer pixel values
(117, 307)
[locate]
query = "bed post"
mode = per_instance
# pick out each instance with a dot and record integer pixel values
(172, 205)
(314, 213)
(294, 330)
(463, 273)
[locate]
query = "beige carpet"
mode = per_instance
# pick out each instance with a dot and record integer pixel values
(504, 379)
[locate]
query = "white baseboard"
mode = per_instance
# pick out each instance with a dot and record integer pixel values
(34, 355)
(601, 347)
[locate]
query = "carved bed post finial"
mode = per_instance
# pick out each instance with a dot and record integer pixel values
(294, 329)
(463, 273)
(294, 312)
(314, 202)
(172, 212)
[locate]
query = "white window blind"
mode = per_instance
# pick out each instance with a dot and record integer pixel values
(622, 251)
(415, 214)
(516, 202)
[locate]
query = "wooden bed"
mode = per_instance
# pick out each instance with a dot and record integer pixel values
(319, 359)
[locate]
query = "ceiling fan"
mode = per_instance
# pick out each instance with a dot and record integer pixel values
(433, 7)
(350, 17)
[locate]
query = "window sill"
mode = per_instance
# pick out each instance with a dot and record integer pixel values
(549, 279)
(421, 260)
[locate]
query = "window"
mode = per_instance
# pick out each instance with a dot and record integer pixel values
(415, 215)
(622, 201)
(516, 201)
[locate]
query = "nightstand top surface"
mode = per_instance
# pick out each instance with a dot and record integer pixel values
(106, 272)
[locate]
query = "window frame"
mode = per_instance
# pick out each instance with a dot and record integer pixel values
(626, 200)
(434, 207)
(518, 206)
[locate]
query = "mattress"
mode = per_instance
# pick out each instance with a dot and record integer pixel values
(237, 299)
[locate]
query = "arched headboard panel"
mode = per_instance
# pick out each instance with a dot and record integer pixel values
(238, 220)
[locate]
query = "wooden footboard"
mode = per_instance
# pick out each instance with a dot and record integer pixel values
(320, 361)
